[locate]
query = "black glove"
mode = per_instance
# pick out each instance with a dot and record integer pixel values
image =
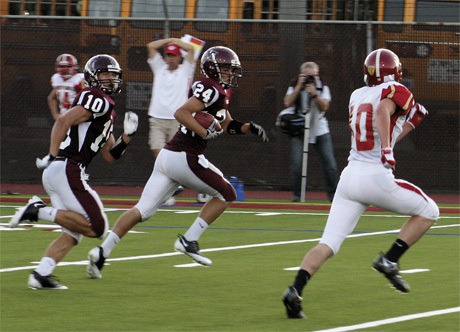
(258, 130)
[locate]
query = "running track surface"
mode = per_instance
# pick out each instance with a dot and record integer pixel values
(278, 199)
(37, 189)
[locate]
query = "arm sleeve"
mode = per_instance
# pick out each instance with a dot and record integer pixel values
(400, 95)
(326, 93)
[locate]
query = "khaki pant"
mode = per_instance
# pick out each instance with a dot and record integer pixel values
(161, 131)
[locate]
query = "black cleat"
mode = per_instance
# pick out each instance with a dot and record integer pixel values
(191, 249)
(293, 303)
(179, 190)
(96, 263)
(391, 271)
(37, 281)
(28, 212)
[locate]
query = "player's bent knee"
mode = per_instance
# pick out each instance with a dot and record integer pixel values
(229, 194)
(333, 244)
(431, 211)
(78, 237)
(99, 227)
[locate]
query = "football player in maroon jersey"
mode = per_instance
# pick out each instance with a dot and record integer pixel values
(77, 136)
(182, 160)
(380, 114)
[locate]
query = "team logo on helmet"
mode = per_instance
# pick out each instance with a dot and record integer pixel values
(99, 64)
(218, 57)
(382, 66)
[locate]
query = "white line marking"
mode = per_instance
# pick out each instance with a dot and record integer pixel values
(189, 265)
(268, 214)
(296, 268)
(392, 320)
(51, 227)
(257, 245)
(414, 271)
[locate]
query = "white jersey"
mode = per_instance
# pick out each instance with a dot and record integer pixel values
(66, 90)
(365, 143)
(365, 181)
(170, 88)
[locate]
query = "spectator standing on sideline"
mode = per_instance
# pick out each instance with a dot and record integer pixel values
(77, 136)
(66, 83)
(182, 160)
(173, 76)
(307, 93)
(388, 111)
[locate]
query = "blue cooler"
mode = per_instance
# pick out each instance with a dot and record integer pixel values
(238, 185)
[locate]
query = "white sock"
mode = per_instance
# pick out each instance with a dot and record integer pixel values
(47, 213)
(46, 266)
(195, 231)
(109, 243)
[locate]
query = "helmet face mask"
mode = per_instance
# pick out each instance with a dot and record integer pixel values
(382, 66)
(222, 65)
(66, 65)
(104, 63)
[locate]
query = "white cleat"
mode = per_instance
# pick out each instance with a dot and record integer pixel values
(37, 281)
(96, 263)
(28, 212)
(191, 249)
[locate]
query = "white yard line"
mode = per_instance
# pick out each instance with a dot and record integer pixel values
(392, 320)
(247, 246)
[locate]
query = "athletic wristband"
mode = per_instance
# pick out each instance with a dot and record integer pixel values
(118, 148)
(234, 127)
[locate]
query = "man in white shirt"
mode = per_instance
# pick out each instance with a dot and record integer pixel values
(173, 75)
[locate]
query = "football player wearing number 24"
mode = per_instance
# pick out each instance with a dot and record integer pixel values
(182, 160)
(386, 110)
(77, 136)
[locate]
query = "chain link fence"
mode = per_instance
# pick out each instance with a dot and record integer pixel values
(271, 53)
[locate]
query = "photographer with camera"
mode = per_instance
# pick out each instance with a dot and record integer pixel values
(308, 95)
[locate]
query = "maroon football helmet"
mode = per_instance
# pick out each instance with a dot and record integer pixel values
(66, 65)
(218, 57)
(103, 63)
(382, 66)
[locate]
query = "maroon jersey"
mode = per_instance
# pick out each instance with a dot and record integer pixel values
(84, 141)
(216, 99)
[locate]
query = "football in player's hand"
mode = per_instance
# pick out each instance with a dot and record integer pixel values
(206, 120)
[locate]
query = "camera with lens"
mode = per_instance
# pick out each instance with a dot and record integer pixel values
(310, 79)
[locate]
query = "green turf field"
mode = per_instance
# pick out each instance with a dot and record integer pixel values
(150, 287)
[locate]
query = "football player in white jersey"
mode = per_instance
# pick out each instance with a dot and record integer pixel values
(182, 160)
(380, 114)
(66, 84)
(77, 136)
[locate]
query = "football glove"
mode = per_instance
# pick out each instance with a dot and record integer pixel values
(416, 115)
(258, 130)
(388, 160)
(45, 161)
(130, 123)
(212, 133)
